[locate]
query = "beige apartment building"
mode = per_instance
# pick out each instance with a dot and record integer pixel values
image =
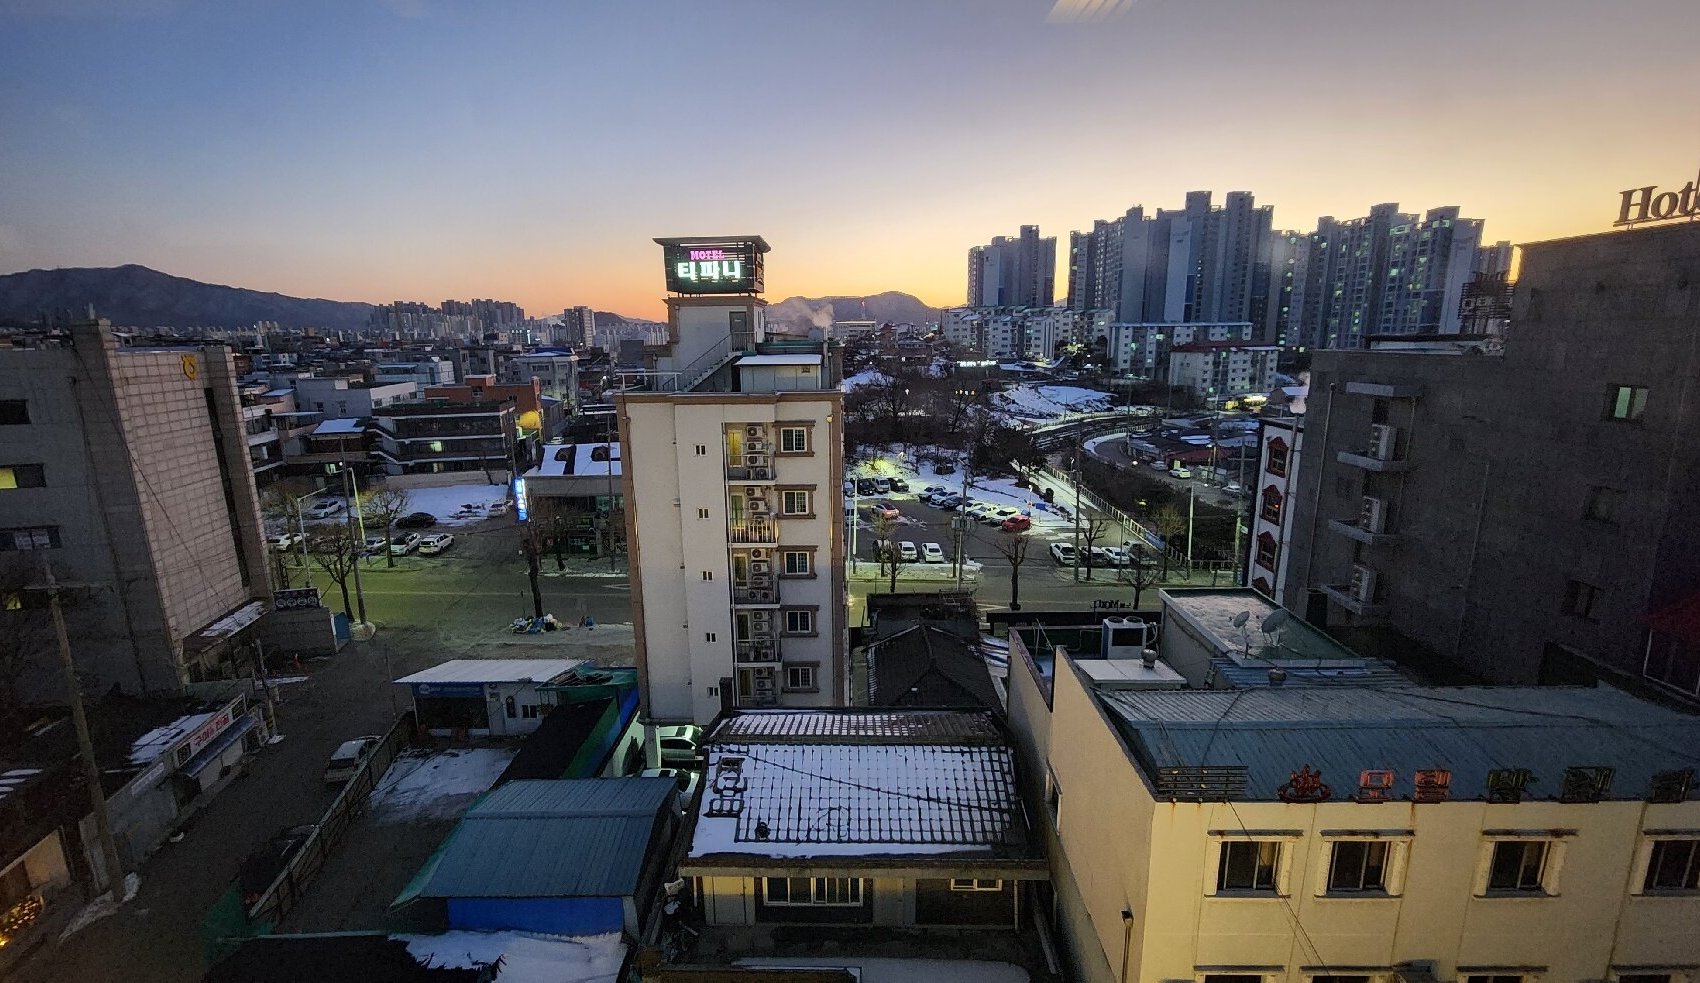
(733, 460)
(127, 468)
(1324, 827)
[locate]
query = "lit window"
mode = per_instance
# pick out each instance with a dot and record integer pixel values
(1277, 458)
(1626, 402)
(974, 884)
(22, 476)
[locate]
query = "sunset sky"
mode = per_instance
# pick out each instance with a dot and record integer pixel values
(427, 149)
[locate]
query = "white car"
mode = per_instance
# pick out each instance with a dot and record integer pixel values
(997, 516)
(882, 485)
(1063, 553)
(499, 508)
(1118, 556)
(287, 541)
(348, 757)
(435, 543)
(932, 553)
(403, 545)
(906, 552)
(324, 508)
(678, 744)
(1180, 471)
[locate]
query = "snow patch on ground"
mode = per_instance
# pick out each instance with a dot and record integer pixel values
(436, 786)
(1035, 402)
(449, 503)
(102, 906)
(866, 377)
(526, 957)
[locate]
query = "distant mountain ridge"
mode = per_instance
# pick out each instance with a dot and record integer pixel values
(893, 307)
(136, 297)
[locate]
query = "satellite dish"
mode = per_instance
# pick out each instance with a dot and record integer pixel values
(1274, 621)
(1241, 618)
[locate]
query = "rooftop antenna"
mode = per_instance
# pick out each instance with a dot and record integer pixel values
(1238, 621)
(1271, 627)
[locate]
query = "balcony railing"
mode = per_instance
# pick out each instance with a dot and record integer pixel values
(755, 532)
(754, 595)
(762, 653)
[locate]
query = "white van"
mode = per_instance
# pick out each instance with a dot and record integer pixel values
(348, 757)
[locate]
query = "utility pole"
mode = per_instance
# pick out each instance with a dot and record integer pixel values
(80, 722)
(357, 539)
(1191, 500)
(1074, 476)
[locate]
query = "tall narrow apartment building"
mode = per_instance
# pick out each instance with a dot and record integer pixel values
(734, 458)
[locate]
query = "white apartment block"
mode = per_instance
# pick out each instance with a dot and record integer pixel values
(349, 399)
(1143, 348)
(1217, 370)
(1021, 332)
(733, 466)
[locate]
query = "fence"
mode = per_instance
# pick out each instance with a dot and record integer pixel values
(287, 888)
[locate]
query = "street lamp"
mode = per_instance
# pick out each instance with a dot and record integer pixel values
(301, 530)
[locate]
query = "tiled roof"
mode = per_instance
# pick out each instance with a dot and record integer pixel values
(842, 800)
(1344, 730)
(843, 727)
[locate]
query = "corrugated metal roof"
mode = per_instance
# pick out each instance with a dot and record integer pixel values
(855, 726)
(492, 671)
(1342, 731)
(552, 839)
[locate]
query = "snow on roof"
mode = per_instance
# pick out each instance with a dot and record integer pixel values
(339, 426)
(16, 778)
(779, 360)
(596, 460)
(526, 957)
(278, 392)
(163, 738)
(858, 800)
(855, 727)
(493, 671)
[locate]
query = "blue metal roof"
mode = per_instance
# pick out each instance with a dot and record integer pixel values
(1344, 730)
(551, 839)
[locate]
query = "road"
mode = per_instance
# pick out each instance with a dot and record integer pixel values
(428, 609)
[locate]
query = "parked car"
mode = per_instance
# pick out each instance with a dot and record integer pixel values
(348, 757)
(849, 487)
(945, 468)
(416, 520)
(907, 553)
(999, 515)
(899, 484)
(1017, 523)
(882, 485)
(374, 546)
(268, 860)
(435, 543)
(1099, 556)
(679, 744)
(932, 490)
(979, 510)
(1180, 471)
(949, 501)
(287, 541)
(1233, 488)
(1160, 464)
(324, 508)
(403, 545)
(884, 510)
(1119, 556)
(1063, 553)
(687, 780)
(865, 486)
(499, 508)
(932, 553)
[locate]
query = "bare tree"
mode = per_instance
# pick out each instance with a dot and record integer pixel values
(544, 530)
(283, 503)
(334, 549)
(1141, 572)
(382, 508)
(1093, 526)
(885, 547)
(1168, 522)
(1014, 549)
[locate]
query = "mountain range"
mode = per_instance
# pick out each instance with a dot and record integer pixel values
(137, 297)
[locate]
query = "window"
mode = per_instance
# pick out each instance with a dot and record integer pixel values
(1494, 978)
(793, 440)
(795, 503)
(702, 450)
(1339, 979)
(1643, 977)
(29, 538)
(709, 636)
(1277, 458)
(1673, 866)
(708, 575)
(831, 891)
(974, 884)
(1518, 866)
(530, 711)
(1579, 599)
(1232, 978)
(22, 476)
(14, 412)
(799, 622)
(1356, 866)
(510, 707)
(800, 678)
(1626, 402)
(1266, 551)
(1271, 511)
(1602, 504)
(702, 513)
(799, 563)
(1248, 865)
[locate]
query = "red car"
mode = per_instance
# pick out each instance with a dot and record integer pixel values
(1017, 523)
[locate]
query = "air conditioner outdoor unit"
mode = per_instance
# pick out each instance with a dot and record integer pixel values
(761, 619)
(1374, 517)
(753, 430)
(1363, 584)
(1382, 441)
(756, 460)
(758, 506)
(757, 445)
(758, 554)
(758, 566)
(755, 491)
(761, 474)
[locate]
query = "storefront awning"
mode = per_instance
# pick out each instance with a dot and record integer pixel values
(219, 745)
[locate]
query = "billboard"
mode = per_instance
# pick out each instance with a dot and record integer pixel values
(714, 266)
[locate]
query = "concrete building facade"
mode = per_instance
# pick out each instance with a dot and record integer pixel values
(733, 460)
(1524, 511)
(1217, 370)
(129, 471)
(1018, 272)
